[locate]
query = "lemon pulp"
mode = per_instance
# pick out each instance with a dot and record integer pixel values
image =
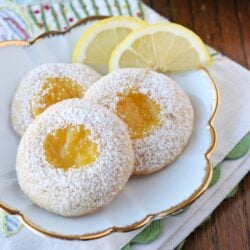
(140, 113)
(55, 89)
(165, 47)
(100, 39)
(97, 57)
(70, 147)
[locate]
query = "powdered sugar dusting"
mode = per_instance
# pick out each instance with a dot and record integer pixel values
(78, 190)
(32, 83)
(165, 142)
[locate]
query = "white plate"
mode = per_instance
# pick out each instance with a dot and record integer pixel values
(144, 198)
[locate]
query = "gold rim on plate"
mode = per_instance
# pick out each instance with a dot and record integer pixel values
(150, 217)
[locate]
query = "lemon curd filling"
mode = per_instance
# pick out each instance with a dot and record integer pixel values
(140, 113)
(70, 147)
(55, 89)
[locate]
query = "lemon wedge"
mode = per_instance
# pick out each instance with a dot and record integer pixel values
(165, 47)
(99, 40)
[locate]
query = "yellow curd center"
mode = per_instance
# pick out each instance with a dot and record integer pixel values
(70, 147)
(55, 90)
(140, 113)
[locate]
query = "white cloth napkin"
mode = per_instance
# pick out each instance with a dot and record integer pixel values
(232, 123)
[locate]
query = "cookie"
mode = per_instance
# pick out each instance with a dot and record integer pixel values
(158, 114)
(74, 158)
(46, 85)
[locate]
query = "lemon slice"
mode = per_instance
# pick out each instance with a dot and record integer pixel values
(98, 42)
(163, 47)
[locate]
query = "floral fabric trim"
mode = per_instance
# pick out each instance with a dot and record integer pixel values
(25, 22)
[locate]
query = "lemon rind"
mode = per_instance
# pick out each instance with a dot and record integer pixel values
(112, 22)
(178, 29)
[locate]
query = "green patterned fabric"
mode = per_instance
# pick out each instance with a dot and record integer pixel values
(240, 149)
(233, 192)
(149, 234)
(216, 175)
(25, 22)
(9, 225)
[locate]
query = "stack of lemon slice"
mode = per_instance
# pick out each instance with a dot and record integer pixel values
(126, 42)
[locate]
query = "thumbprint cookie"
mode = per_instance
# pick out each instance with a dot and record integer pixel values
(46, 85)
(74, 158)
(157, 112)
